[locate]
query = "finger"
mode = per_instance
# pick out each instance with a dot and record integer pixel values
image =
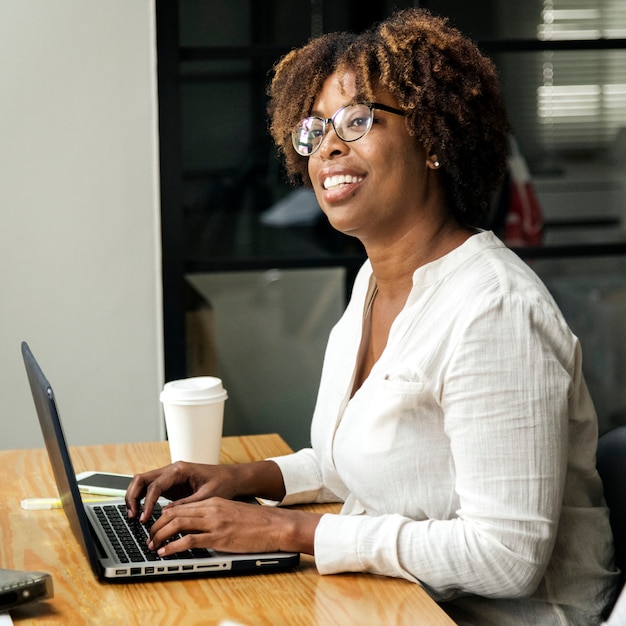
(170, 516)
(136, 491)
(184, 543)
(145, 486)
(198, 497)
(201, 516)
(190, 527)
(132, 501)
(205, 524)
(161, 482)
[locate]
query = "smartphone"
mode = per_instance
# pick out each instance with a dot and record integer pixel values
(103, 483)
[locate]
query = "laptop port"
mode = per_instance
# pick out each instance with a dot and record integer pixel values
(135, 571)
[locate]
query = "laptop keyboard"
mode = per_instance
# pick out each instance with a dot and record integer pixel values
(129, 537)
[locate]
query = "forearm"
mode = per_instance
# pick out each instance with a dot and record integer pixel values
(297, 530)
(446, 556)
(261, 478)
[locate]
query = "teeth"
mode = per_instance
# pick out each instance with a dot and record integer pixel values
(343, 179)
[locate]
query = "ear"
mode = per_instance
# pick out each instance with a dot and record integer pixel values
(433, 162)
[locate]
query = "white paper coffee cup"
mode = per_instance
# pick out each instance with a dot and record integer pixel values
(194, 418)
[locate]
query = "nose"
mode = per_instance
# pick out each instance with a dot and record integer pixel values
(331, 144)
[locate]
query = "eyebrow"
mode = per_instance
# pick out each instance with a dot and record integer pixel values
(320, 114)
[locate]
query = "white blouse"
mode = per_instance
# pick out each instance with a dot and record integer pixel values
(466, 460)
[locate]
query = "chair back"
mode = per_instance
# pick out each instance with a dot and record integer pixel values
(611, 464)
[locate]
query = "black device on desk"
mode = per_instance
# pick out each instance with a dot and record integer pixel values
(19, 587)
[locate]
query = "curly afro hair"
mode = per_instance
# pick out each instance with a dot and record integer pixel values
(449, 91)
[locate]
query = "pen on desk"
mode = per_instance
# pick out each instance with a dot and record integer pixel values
(44, 504)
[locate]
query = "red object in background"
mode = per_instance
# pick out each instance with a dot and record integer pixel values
(524, 220)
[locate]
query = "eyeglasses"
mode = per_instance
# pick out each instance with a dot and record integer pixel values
(350, 123)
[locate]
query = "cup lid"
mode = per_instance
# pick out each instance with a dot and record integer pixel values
(194, 390)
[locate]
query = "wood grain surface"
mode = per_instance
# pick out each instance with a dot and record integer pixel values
(42, 541)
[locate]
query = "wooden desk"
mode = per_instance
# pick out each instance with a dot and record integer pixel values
(42, 540)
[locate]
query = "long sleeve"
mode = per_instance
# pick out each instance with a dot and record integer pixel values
(303, 479)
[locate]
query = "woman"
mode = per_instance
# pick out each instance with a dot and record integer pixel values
(452, 417)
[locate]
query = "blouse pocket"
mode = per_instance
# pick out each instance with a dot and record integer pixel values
(385, 407)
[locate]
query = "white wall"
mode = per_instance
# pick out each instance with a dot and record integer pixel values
(80, 272)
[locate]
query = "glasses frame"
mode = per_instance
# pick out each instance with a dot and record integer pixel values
(295, 133)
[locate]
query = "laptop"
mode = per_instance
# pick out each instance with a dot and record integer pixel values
(114, 545)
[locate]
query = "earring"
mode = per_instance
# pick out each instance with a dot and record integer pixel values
(436, 164)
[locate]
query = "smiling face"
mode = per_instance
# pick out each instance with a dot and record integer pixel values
(379, 186)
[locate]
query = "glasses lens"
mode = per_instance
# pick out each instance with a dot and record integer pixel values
(308, 135)
(352, 122)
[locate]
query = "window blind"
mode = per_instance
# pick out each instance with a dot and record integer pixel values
(565, 102)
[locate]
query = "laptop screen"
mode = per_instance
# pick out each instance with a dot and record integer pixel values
(58, 454)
